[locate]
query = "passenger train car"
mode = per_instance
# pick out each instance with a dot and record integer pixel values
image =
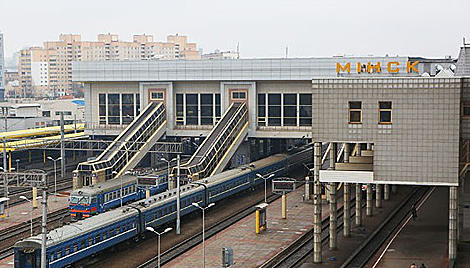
(74, 242)
(91, 200)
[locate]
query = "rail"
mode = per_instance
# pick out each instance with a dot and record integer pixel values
(219, 144)
(128, 148)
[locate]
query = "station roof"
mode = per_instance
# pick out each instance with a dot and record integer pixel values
(39, 142)
(18, 134)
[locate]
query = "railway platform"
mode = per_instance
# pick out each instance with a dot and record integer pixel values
(423, 240)
(20, 213)
(251, 249)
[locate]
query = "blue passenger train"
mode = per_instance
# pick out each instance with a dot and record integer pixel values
(91, 200)
(78, 241)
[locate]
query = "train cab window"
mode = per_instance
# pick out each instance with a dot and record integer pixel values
(97, 238)
(90, 241)
(75, 247)
(118, 230)
(67, 250)
(111, 232)
(105, 235)
(82, 244)
(59, 253)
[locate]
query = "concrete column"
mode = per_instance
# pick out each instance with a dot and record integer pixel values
(307, 189)
(453, 222)
(358, 149)
(378, 195)
(394, 189)
(333, 216)
(461, 205)
(35, 197)
(317, 245)
(347, 210)
(346, 153)
(332, 156)
(369, 205)
(386, 192)
(358, 216)
(284, 206)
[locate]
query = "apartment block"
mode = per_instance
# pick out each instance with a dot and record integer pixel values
(47, 71)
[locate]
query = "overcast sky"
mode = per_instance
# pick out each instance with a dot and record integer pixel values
(309, 28)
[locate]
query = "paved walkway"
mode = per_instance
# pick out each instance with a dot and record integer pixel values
(424, 240)
(250, 249)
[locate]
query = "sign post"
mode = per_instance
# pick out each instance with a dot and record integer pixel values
(283, 186)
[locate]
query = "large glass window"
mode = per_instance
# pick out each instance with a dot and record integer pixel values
(290, 109)
(355, 112)
(261, 109)
(305, 109)
(114, 101)
(274, 109)
(179, 109)
(102, 108)
(385, 112)
(207, 109)
(127, 108)
(218, 109)
(192, 113)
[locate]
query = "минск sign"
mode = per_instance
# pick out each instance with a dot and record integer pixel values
(392, 67)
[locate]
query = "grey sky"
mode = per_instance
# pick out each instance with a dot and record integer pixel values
(432, 28)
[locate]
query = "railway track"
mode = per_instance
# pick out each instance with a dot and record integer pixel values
(11, 235)
(298, 251)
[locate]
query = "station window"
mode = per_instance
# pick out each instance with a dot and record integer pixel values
(195, 109)
(385, 112)
(466, 109)
(156, 95)
(355, 112)
(207, 109)
(238, 95)
(290, 109)
(274, 109)
(261, 109)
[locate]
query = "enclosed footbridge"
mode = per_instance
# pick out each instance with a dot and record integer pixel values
(126, 151)
(217, 149)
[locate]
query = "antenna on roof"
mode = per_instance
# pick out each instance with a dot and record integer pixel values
(287, 52)
(238, 50)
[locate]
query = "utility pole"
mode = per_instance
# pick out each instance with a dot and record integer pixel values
(43, 227)
(62, 148)
(5, 178)
(178, 201)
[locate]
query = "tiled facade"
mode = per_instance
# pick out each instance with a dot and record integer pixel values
(420, 145)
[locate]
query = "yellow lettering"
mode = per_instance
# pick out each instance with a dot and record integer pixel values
(412, 66)
(393, 70)
(344, 68)
(358, 67)
(371, 67)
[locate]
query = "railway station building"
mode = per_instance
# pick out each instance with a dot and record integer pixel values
(409, 116)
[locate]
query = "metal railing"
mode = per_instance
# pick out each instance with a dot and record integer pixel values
(132, 141)
(230, 131)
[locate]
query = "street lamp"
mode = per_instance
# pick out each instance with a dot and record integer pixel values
(31, 212)
(17, 165)
(203, 232)
(265, 182)
(149, 228)
(55, 174)
(120, 194)
(168, 162)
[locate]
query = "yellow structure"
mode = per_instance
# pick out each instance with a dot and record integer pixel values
(261, 223)
(45, 131)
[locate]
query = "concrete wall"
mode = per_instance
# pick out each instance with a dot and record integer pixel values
(422, 143)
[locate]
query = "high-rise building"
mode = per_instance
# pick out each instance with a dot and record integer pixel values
(2, 69)
(47, 71)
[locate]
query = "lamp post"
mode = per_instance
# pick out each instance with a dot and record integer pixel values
(17, 165)
(31, 212)
(120, 192)
(265, 183)
(55, 174)
(203, 231)
(149, 228)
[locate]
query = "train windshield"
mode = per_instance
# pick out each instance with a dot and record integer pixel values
(76, 199)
